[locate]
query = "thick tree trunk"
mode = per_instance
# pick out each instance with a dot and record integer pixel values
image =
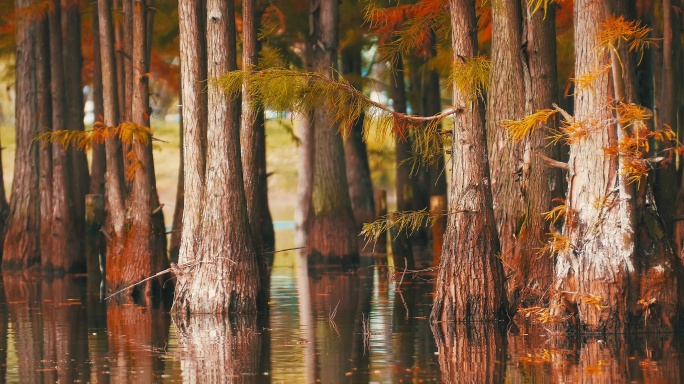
(65, 254)
(331, 228)
(470, 283)
(356, 155)
(602, 263)
(402, 254)
(22, 244)
(98, 162)
(192, 17)
(225, 278)
(73, 119)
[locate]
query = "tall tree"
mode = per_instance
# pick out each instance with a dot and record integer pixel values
(65, 253)
(599, 263)
(225, 277)
(136, 246)
(332, 236)
(45, 118)
(470, 283)
(253, 149)
(98, 163)
(22, 245)
(522, 81)
(402, 252)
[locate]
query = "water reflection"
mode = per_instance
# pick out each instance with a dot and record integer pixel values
(359, 327)
(215, 349)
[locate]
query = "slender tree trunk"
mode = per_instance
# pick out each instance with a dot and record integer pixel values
(45, 120)
(402, 254)
(523, 185)
(470, 283)
(65, 254)
(331, 228)
(356, 155)
(144, 238)
(22, 244)
(98, 167)
(304, 128)
(602, 262)
(120, 58)
(176, 227)
(253, 148)
(667, 178)
(226, 278)
(73, 118)
(192, 17)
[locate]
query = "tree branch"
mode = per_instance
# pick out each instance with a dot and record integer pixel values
(553, 163)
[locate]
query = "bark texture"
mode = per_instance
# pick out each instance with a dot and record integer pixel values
(523, 80)
(98, 163)
(332, 237)
(65, 253)
(606, 216)
(22, 244)
(225, 278)
(470, 285)
(45, 120)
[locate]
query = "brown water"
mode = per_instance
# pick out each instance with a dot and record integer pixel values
(348, 328)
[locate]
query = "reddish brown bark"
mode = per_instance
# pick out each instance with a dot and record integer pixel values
(65, 254)
(332, 236)
(224, 277)
(45, 121)
(22, 244)
(176, 227)
(523, 185)
(470, 283)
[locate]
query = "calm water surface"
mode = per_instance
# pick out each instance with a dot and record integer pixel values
(361, 328)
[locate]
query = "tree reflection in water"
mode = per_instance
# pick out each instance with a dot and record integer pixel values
(50, 331)
(221, 349)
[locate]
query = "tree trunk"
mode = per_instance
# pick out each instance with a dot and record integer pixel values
(122, 91)
(65, 253)
(470, 283)
(253, 148)
(356, 155)
(73, 119)
(45, 119)
(98, 163)
(192, 17)
(303, 127)
(332, 236)
(602, 262)
(22, 243)
(402, 254)
(523, 185)
(144, 238)
(176, 227)
(226, 277)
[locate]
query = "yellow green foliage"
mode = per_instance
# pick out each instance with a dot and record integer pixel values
(409, 221)
(520, 129)
(470, 77)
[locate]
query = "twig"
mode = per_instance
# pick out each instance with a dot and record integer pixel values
(167, 270)
(553, 163)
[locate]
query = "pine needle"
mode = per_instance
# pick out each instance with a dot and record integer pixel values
(520, 129)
